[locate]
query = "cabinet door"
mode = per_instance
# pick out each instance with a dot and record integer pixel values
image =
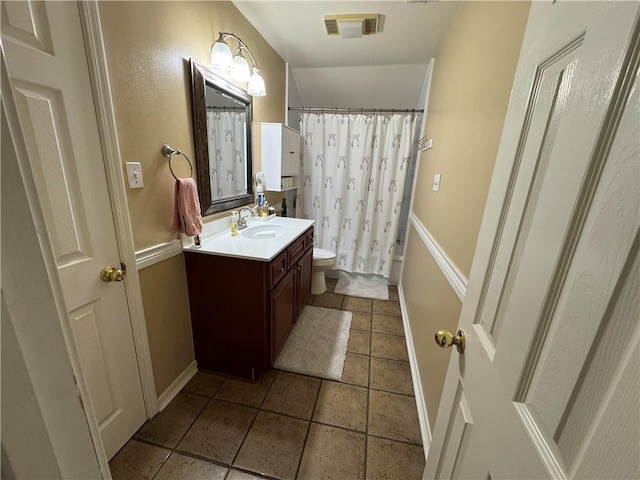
(283, 310)
(290, 152)
(271, 142)
(304, 279)
(294, 145)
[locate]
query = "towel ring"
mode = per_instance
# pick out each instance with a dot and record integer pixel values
(168, 151)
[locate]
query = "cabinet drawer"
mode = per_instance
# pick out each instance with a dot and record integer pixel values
(296, 249)
(277, 268)
(308, 238)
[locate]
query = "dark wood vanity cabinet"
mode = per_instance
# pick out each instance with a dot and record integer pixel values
(304, 278)
(242, 311)
(283, 312)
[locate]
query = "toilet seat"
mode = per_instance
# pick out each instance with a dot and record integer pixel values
(322, 257)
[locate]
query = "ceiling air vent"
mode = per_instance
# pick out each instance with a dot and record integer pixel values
(352, 25)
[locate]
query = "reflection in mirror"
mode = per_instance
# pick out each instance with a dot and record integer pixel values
(222, 131)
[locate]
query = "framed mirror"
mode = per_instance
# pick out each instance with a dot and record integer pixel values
(222, 131)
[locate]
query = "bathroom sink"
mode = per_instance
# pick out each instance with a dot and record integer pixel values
(264, 232)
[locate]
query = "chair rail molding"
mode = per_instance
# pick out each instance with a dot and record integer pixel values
(157, 253)
(451, 272)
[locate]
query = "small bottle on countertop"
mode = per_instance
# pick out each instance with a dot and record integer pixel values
(234, 223)
(260, 193)
(284, 206)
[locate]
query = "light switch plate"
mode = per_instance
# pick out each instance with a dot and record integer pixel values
(436, 182)
(134, 175)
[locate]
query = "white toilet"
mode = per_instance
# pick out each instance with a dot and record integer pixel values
(322, 260)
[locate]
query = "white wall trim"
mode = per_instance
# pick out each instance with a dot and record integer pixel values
(98, 71)
(453, 275)
(426, 91)
(178, 384)
(423, 417)
(162, 251)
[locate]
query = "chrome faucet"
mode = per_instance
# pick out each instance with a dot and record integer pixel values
(242, 221)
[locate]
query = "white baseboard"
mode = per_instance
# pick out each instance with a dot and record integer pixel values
(178, 384)
(423, 417)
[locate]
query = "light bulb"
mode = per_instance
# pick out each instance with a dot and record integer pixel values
(221, 55)
(256, 86)
(240, 68)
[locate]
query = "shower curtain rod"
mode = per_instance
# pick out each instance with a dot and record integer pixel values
(356, 110)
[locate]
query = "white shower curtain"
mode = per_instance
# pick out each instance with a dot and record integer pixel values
(353, 174)
(227, 148)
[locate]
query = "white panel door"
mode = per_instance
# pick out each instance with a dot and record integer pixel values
(47, 66)
(549, 384)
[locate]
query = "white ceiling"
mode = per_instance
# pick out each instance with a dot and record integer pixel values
(332, 72)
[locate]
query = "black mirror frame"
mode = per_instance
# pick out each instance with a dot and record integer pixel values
(200, 77)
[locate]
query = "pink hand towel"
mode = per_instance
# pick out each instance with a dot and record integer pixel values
(186, 214)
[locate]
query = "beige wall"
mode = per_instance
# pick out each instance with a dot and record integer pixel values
(433, 306)
(472, 78)
(165, 299)
(148, 47)
(470, 89)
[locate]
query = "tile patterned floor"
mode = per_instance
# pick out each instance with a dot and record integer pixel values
(290, 426)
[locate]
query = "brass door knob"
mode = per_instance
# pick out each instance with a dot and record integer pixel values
(445, 339)
(110, 274)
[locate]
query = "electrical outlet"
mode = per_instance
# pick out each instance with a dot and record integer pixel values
(134, 175)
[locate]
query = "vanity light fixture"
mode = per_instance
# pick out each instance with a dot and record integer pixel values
(237, 65)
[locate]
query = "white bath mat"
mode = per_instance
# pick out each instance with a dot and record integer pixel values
(318, 343)
(367, 286)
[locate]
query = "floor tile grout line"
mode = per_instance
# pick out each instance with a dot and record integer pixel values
(229, 467)
(223, 464)
(286, 414)
(202, 458)
(181, 438)
(366, 438)
(306, 437)
(310, 421)
(262, 409)
(215, 392)
(340, 427)
(404, 442)
(244, 439)
(388, 358)
(392, 392)
(380, 333)
(148, 442)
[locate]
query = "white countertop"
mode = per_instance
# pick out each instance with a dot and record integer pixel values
(264, 249)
